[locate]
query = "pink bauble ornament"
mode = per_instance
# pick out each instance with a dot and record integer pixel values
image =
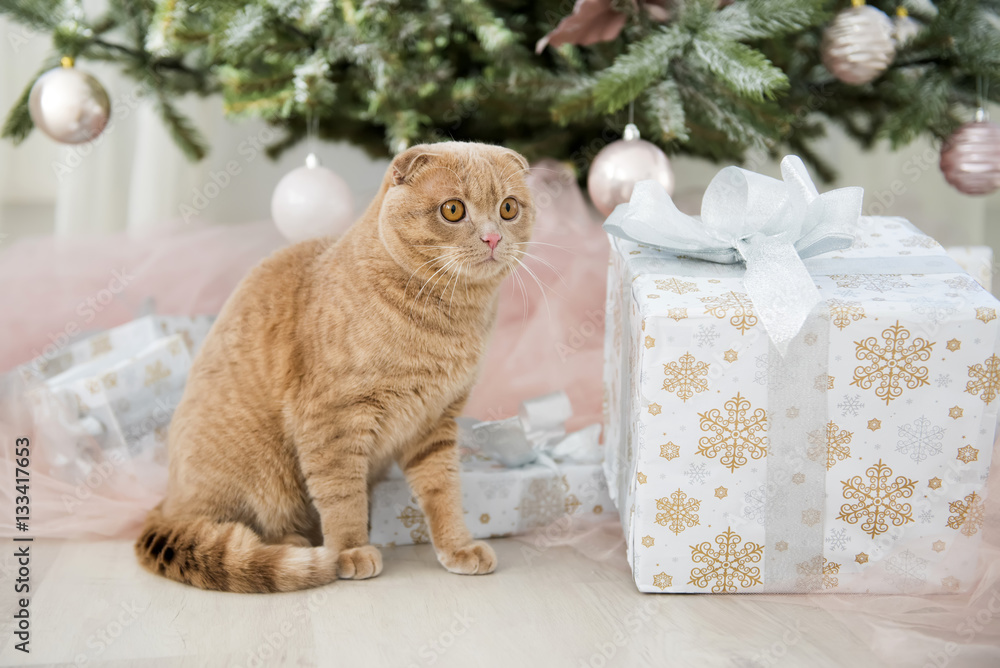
(970, 158)
(857, 45)
(622, 164)
(312, 201)
(68, 105)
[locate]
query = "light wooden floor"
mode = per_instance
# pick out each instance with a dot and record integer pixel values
(92, 605)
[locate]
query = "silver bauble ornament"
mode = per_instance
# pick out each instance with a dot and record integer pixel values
(623, 163)
(970, 158)
(312, 201)
(68, 105)
(857, 45)
(904, 27)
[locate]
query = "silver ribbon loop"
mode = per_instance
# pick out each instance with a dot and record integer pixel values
(538, 434)
(769, 225)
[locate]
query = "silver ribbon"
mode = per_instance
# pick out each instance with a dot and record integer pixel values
(537, 435)
(769, 225)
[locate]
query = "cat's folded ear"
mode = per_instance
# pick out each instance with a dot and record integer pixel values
(408, 163)
(518, 158)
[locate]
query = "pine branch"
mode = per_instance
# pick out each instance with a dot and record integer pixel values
(637, 69)
(745, 70)
(186, 136)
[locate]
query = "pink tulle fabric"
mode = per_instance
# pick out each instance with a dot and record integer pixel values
(545, 340)
(549, 335)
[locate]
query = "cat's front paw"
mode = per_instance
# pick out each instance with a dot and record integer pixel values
(476, 558)
(359, 563)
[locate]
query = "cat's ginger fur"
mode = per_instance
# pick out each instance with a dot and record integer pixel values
(332, 359)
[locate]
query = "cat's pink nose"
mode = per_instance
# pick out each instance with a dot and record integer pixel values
(491, 238)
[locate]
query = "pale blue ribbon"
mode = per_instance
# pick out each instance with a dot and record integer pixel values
(769, 225)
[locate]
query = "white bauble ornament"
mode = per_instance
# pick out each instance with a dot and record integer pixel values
(312, 201)
(857, 45)
(68, 105)
(623, 163)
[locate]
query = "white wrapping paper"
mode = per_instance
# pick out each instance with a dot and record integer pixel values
(883, 494)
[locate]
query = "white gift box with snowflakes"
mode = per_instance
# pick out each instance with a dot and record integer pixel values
(890, 496)
(496, 500)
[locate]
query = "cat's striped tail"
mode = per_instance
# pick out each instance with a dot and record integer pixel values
(228, 556)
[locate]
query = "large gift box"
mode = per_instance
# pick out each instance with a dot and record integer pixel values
(848, 453)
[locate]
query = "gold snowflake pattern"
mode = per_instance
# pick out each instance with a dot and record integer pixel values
(953, 345)
(799, 478)
(934, 483)
(874, 424)
(650, 342)
(676, 286)
(655, 408)
(677, 314)
(877, 501)
(484, 518)
(641, 477)
(817, 571)
(662, 580)
(843, 313)
(729, 566)
(743, 317)
(823, 382)
(951, 583)
(686, 376)
(967, 455)
(670, 451)
(155, 373)
(100, 344)
(970, 513)
(414, 520)
(792, 412)
(572, 504)
(679, 512)
(781, 546)
(736, 434)
(721, 492)
(647, 541)
(985, 379)
(938, 546)
(543, 502)
(730, 355)
(861, 558)
(955, 412)
(892, 363)
(832, 445)
(811, 517)
(986, 314)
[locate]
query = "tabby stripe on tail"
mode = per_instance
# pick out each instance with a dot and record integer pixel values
(228, 556)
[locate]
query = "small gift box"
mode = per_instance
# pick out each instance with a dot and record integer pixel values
(114, 391)
(797, 400)
(517, 474)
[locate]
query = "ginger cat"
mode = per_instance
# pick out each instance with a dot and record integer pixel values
(332, 359)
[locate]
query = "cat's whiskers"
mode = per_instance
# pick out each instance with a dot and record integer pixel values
(542, 243)
(546, 263)
(407, 286)
(541, 286)
(430, 292)
(440, 269)
(524, 295)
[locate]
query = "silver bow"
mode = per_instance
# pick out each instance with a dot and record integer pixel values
(536, 434)
(748, 217)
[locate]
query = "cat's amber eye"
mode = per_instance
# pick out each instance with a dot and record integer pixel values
(508, 208)
(453, 210)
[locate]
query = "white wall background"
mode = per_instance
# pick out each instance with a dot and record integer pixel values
(134, 178)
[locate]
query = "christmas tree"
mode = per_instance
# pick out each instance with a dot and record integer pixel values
(702, 77)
